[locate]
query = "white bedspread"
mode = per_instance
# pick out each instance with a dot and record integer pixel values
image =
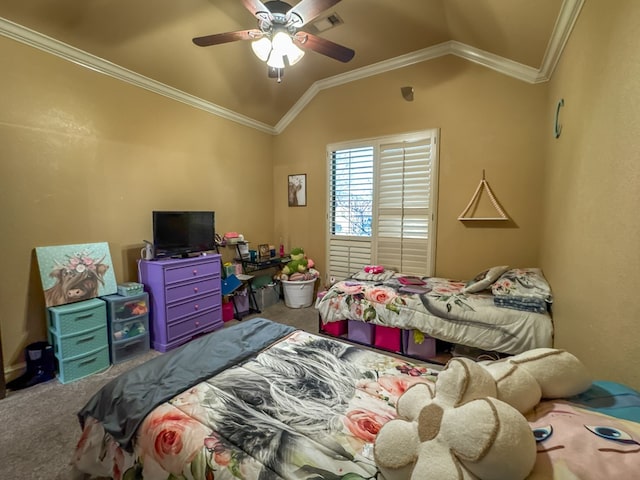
(444, 312)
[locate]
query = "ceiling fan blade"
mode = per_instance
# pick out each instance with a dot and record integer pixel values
(307, 10)
(258, 9)
(227, 37)
(324, 46)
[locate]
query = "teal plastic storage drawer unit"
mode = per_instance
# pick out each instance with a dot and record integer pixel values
(128, 320)
(78, 333)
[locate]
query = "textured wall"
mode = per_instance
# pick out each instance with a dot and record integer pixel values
(590, 250)
(86, 158)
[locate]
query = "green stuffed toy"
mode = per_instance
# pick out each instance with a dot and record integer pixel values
(298, 263)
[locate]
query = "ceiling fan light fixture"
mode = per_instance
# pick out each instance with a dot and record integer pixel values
(276, 60)
(294, 54)
(282, 42)
(262, 48)
(277, 39)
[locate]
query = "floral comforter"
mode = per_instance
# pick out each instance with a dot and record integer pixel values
(441, 311)
(307, 407)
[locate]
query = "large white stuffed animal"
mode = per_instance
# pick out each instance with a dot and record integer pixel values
(469, 424)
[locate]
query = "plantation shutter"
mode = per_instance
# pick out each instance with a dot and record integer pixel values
(382, 204)
(350, 210)
(404, 206)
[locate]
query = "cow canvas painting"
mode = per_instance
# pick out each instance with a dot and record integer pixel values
(72, 273)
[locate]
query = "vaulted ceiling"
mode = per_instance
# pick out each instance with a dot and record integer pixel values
(148, 42)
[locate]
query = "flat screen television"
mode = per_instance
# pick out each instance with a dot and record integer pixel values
(179, 234)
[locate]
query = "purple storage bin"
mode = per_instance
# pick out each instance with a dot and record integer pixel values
(423, 351)
(361, 332)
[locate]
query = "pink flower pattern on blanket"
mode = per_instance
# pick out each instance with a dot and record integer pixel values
(365, 424)
(380, 295)
(164, 438)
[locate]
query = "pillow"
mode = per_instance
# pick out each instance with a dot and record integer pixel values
(373, 277)
(484, 279)
(523, 282)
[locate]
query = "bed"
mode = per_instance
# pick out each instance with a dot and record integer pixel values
(257, 400)
(500, 310)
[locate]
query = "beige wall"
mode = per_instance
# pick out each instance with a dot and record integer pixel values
(591, 243)
(487, 121)
(86, 158)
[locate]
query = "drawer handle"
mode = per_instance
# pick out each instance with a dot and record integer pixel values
(196, 306)
(195, 271)
(87, 362)
(82, 317)
(197, 324)
(86, 339)
(195, 289)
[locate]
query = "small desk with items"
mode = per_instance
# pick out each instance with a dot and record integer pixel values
(251, 263)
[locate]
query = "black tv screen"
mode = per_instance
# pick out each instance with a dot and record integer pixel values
(181, 233)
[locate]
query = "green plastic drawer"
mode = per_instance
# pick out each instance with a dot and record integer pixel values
(75, 368)
(77, 317)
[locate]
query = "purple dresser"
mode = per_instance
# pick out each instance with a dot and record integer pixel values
(185, 298)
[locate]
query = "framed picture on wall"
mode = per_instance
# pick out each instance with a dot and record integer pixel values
(297, 190)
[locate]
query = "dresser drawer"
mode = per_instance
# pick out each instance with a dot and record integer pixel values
(77, 317)
(195, 324)
(185, 290)
(79, 343)
(198, 304)
(192, 272)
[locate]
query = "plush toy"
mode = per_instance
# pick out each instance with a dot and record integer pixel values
(299, 268)
(298, 263)
(297, 254)
(469, 425)
(373, 269)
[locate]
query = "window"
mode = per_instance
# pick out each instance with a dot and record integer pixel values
(381, 204)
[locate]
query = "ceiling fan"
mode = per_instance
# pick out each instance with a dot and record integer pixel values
(277, 39)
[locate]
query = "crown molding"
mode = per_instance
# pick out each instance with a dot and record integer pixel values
(565, 22)
(494, 62)
(569, 11)
(418, 56)
(85, 59)
(489, 60)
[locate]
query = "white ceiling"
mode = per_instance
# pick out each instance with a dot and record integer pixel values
(148, 43)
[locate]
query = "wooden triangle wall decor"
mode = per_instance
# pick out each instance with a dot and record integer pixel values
(483, 186)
